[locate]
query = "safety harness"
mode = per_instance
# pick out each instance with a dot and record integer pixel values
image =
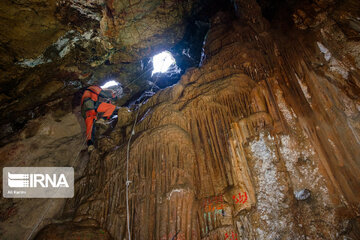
(91, 94)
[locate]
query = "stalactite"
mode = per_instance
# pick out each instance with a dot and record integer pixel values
(239, 127)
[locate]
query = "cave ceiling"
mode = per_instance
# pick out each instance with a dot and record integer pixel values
(267, 109)
(50, 49)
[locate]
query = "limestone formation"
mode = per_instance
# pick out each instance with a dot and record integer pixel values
(261, 141)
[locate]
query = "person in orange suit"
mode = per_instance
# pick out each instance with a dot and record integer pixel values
(91, 105)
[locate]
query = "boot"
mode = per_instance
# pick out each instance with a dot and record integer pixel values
(91, 148)
(101, 123)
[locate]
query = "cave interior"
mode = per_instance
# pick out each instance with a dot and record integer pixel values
(252, 132)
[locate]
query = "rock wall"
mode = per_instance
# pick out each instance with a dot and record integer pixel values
(54, 140)
(260, 142)
(52, 48)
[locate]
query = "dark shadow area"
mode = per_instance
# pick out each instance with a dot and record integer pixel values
(187, 52)
(279, 12)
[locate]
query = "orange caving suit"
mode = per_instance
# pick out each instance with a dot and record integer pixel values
(91, 105)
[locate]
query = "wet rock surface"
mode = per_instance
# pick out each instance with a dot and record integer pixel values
(268, 118)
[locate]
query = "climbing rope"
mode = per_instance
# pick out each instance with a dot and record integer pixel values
(128, 155)
(127, 175)
(127, 169)
(129, 83)
(127, 164)
(129, 142)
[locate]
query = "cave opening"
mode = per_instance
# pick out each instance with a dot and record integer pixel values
(231, 117)
(109, 84)
(186, 53)
(115, 87)
(163, 62)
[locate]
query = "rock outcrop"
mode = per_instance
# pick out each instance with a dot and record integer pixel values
(262, 141)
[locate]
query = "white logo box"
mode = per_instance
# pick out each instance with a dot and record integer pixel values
(38, 182)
